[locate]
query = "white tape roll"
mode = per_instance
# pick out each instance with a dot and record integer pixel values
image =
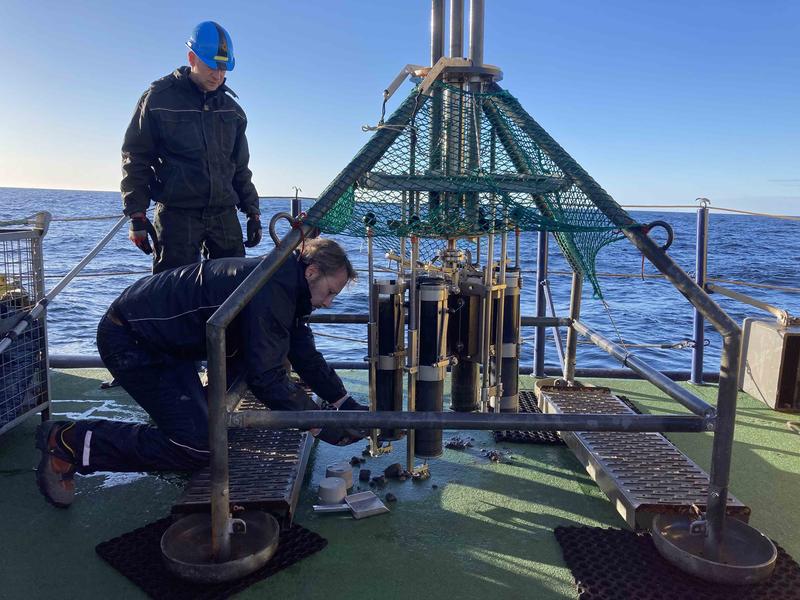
(332, 490)
(343, 470)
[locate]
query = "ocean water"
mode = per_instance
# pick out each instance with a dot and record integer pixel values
(642, 312)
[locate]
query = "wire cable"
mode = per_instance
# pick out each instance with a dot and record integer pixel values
(730, 210)
(341, 337)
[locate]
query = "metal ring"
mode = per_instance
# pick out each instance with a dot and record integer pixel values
(666, 227)
(273, 220)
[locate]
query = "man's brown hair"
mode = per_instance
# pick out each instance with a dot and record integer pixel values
(328, 256)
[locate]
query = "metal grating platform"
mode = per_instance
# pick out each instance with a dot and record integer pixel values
(528, 404)
(267, 468)
(643, 474)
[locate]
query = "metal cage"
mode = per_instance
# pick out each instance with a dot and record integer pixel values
(24, 381)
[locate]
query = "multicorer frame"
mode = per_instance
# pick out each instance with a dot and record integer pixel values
(441, 184)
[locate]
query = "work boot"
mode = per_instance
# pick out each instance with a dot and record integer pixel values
(56, 469)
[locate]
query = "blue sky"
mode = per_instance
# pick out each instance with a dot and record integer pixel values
(661, 102)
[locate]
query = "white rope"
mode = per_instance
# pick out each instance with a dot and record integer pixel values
(730, 210)
(766, 286)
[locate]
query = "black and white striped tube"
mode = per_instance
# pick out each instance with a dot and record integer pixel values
(509, 373)
(389, 368)
(463, 331)
(433, 361)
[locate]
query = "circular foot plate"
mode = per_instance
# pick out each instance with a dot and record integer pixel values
(186, 547)
(746, 555)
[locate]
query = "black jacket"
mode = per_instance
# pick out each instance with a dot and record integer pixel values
(168, 312)
(186, 148)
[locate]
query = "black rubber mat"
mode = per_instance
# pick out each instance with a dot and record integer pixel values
(616, 564)
(527, 404)
(137, 555)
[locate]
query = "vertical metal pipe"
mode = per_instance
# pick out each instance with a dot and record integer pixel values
(556, 330)
(701, 254)
(572, 334)
(541, 303)
(486, 329)
(372, 337)
(297, 204)
(413, 349)
(437, 52)
(437, 30)
(723, 445)
(456, 28)
(42, 222)
(501, 301)
(476, 32)
(218, 444)
(404, 220)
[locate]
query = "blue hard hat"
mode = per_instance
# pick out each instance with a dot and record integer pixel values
(212, 44)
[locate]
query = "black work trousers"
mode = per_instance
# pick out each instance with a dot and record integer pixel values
(169, 389)
(183, 233)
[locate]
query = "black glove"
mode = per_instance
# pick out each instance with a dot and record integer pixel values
(253, 231)
(343, 436)
(140, 228)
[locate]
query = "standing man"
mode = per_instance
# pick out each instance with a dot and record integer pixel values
(153, 333)
(186, 150)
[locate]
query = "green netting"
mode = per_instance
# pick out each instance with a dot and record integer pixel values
(431, 186)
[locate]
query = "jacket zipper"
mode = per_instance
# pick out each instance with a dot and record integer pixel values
(208, 154)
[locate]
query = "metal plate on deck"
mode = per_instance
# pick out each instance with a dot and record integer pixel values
(266, 468)
(643, 474)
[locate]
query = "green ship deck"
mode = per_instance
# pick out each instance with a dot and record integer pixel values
(476, 529)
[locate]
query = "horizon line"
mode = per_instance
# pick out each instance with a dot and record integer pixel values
(682, 207)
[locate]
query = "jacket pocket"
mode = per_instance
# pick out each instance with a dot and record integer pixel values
(227, 126)
(181, 131)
